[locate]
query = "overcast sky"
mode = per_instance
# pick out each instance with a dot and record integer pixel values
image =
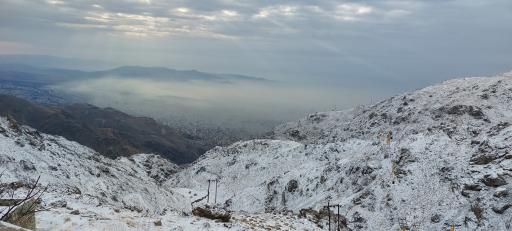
(379, 46)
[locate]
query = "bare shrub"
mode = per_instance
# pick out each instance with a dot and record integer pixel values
(20, 211)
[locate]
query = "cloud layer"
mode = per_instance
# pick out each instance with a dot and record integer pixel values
(216, 18)
(377, 46)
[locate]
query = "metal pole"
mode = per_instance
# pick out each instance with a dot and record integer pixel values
(338, 223)
(216, 191)
(329, 212)
(208, 195)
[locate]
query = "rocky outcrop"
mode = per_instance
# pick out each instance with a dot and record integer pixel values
(211, 212)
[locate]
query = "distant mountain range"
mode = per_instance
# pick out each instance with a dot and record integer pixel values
(106, 130)
(49, 69)
(49, 61)
(35, 83)
(172, 74)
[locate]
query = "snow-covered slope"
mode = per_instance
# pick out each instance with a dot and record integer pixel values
(427, 160)
(87, 191)
(72, 170)
(81, 180)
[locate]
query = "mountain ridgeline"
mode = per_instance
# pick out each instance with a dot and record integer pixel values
(106, 130)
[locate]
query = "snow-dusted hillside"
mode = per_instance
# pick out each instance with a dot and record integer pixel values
(447, 161)
(72, 170)
(87, 191)
(81, 179)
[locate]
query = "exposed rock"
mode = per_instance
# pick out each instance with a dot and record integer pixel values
(292, 186)
(212, 213)
(323, 179)
(26, 165)
(501, 192)
(296, 135)
(501, 209)
(317, 117)
(59, 204)
(73, 190)
(483, 158)
(472, 187)
(158, 222)
(53, 168)
(508, 156)
(104, 169)
(75, 212)
(465, 193)
(484, 155)
(477, 210)
(494, 180)
(436, 218)
(459, 110)
(401, 161)
(498, 128)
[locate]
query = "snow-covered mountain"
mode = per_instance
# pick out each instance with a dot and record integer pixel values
(427, 160)
(424, 160)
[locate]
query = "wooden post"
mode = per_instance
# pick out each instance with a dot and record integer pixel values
(338, 217)
(329, 212)
(216, 181)
(208, 195)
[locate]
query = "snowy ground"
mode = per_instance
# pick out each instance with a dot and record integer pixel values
(61, 219)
